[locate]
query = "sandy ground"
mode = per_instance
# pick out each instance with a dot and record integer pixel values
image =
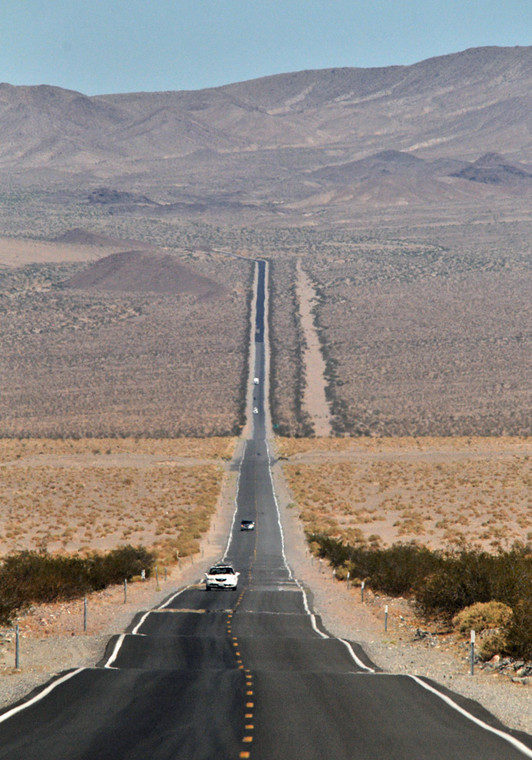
(17, 253)
(314, 399)
(441, 492)
(52, 637)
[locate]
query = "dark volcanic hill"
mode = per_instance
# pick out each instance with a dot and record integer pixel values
(282, 139)
(142, 272)
(492, 169)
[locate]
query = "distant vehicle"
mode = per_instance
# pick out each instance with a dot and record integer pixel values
(256, 380)
(255, 410)
(221, 576)
(247, 525)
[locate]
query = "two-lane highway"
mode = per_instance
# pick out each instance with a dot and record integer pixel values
(214, 675)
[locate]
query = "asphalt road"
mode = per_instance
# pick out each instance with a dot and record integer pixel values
(214, 675)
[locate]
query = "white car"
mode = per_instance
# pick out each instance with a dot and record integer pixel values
(221, 576)
(256, 380)
(255, 410)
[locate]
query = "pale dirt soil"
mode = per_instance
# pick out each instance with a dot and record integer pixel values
(314, 399)
(52, 638)
(17, 253)
(441, 492)
(95, 494)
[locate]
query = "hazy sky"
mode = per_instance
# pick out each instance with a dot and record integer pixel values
(147, 45)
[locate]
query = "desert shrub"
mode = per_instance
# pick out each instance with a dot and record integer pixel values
(118, 564)
(32, 577)
(469, 576)
(394, 570)
(483, 616)
(28, 577)
(519, 638)
(496, 642)
(445, 583)
(491, 620)
(341, 572)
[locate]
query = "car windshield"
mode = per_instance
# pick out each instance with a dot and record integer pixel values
(221, 571)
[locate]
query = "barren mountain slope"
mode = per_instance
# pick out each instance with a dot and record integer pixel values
(252, 135)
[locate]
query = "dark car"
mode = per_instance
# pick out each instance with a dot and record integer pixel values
(247, 525)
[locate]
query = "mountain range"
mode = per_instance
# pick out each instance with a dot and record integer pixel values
(453, 128)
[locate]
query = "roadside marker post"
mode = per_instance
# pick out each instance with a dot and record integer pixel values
(472, 654)
(386, 618)
(17, 648)
(125, 590)
(362, 586)
(347, 579)
(157, 587)
(85, 615)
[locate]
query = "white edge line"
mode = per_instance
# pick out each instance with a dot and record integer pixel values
(230, 537)
(39, 696)
(143, 618)
(114, 655)
(526, 751)
(251, 373)
(506, 737)
(356, 659)
(515, 742)
(174, 596)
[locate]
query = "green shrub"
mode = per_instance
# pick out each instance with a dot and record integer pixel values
(445, 583)
(519, 638)
(32, 577)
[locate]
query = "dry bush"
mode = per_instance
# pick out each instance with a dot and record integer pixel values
(483, 616)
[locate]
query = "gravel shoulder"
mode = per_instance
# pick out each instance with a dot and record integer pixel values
(53, 640)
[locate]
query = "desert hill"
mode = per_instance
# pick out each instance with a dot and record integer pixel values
(142, 272)
(264, 145)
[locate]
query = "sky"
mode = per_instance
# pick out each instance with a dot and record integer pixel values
(113, 46)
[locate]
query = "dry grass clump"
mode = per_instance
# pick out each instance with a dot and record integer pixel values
(198, 448)
(78, 496)
(483, 616)
(442, 492)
